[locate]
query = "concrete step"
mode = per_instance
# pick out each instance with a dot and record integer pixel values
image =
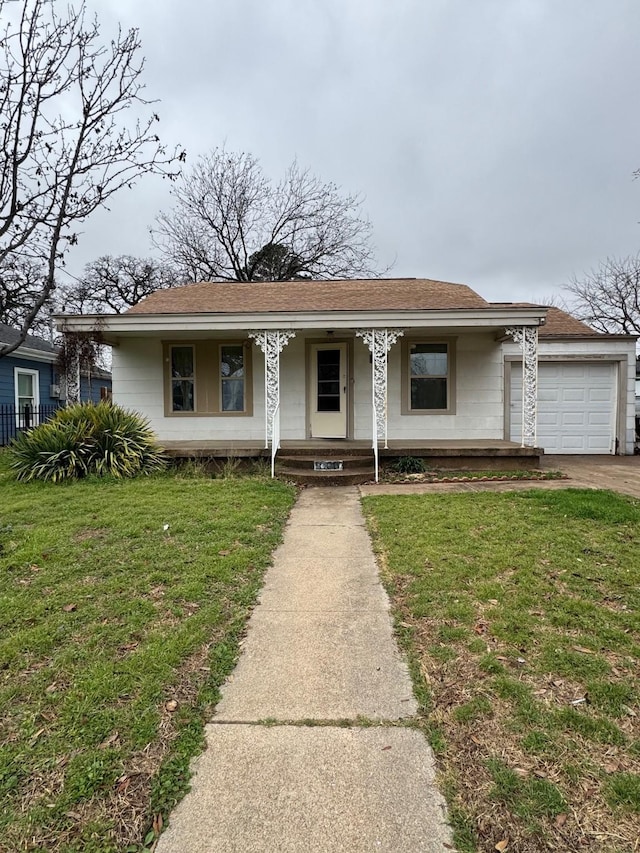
(309, 461)
(309, 477)
(331, 451)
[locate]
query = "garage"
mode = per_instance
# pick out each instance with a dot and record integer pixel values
(576, 406)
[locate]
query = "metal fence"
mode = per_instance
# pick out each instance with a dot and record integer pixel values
(13, 421)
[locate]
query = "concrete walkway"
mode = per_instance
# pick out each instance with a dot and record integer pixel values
(291, 764)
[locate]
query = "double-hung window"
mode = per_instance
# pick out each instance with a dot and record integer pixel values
(207, 377)
(27, 394)
(428, 377)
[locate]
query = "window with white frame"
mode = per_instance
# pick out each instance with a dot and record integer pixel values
(27, 395)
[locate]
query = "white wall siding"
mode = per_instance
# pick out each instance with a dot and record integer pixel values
(361, 390)
(479, 396)
(479, 414)
(138, 384)
(293, 406)
(137, 377)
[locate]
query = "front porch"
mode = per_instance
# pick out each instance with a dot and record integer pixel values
(454, 454)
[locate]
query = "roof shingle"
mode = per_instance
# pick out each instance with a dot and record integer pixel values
(561, 323)
(290, 296)
(9, 335)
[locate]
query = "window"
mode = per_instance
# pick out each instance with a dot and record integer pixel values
(427, 377)
(183, 379)
(207, 377)
(27, 394)
(328, 392)
(232, 377)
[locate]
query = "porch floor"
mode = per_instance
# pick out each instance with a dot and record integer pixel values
(490, 452)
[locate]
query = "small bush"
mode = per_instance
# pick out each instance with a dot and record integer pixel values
(408, 465)
(84, 439)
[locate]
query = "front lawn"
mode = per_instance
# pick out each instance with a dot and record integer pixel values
(520, 615)
(121, 607)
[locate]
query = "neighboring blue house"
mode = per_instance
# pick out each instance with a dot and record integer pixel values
(30, 383)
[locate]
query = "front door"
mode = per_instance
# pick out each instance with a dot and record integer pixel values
(328, 390)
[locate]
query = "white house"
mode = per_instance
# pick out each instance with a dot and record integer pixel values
(397, 365)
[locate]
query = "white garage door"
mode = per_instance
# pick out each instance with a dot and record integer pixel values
(576, 406)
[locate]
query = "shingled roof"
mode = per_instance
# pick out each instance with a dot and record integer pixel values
(563, 324)
(559, 323)
(393, 294)
(9, 335)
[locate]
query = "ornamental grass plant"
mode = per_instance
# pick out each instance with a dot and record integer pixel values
(83, 439)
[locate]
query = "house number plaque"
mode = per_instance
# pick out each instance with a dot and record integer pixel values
(328, 465)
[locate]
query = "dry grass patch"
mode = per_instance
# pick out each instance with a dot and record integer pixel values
(520, 614)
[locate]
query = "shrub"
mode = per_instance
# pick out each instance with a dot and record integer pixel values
(408, 465)
(83, 439)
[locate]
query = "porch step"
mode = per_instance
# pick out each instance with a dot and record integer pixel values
(308, 462)
(309, 477)
(337, 450)
(305, 469)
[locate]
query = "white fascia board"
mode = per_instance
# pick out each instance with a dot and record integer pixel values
(141, 324)
(33, 354)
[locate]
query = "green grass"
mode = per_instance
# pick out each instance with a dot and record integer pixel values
(116, 598)
(523, 634)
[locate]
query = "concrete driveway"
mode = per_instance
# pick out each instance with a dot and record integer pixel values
(618, 473)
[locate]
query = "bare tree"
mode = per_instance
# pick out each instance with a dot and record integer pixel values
(111, 285)
(608, 298)
(231, 223)
(20, 289)
(68, 141)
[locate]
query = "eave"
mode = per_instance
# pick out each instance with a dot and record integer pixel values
(32, 354)
(114, 326)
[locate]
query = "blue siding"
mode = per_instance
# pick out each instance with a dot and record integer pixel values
(93, 392)
(45, 377)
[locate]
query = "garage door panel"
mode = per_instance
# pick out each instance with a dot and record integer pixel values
(576, 406)
(574, 395)
(554, 370)
(572, 443)
(595, 443)
(600, 395)
(599, 419)
(571, 419)
(547, 419)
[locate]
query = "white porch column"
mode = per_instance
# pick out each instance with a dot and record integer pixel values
(72, 377)
(272, 343)
(379, 342)
(527, 337)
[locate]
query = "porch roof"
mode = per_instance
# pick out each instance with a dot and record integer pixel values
(346, 304)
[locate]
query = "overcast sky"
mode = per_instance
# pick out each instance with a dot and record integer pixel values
(494, 141)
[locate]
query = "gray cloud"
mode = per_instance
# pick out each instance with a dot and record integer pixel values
(494, 141)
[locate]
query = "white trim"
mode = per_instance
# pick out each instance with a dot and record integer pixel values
(140, 324)
(35, 375)
(32, 354)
